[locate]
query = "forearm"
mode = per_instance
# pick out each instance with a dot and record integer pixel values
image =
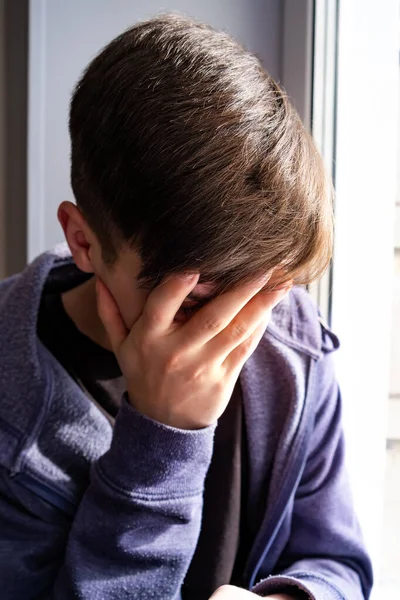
(140, 518)
(135, 529)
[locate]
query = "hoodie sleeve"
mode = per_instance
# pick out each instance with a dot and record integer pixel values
(325, 558)
(135, 530)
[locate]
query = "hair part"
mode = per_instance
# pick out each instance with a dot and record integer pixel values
(185, 148)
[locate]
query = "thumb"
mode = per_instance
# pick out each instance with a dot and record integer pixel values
(110, 316)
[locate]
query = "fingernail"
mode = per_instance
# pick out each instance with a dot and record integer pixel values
(285, 286)
(264, 277)
(187, 276)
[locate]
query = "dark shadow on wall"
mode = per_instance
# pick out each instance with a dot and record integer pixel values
(15, 131)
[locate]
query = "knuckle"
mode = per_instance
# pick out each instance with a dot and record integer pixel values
(199, 371)
(201, 375)
(173, 362)
(196, 376)
(211, 324)
(153, 316)
(238, 330)
(241, 353)
(220, 386)
(245, 347)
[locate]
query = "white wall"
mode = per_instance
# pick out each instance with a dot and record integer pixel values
(64, 36)
(363, 266)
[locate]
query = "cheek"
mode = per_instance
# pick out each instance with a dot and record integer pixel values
(131, 307)
(120, 279)
(130, 300)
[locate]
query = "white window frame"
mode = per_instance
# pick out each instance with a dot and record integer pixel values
(343, 80)
(365, 177)
(309, 77)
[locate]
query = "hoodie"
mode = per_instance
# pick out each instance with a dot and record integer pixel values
(90, 511)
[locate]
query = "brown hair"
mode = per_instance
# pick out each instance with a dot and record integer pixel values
(183, 146)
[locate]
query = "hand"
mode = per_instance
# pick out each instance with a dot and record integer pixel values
(230, 592)
(183, 375)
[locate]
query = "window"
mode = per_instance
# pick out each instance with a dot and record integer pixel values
(355, 57)
(390, 579)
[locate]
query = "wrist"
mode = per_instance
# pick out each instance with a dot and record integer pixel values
(144, 451)
(164, 415)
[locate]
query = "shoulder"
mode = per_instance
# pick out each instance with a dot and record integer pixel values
(296, 322)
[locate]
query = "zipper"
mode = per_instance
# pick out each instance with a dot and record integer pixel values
(271, 526)
(45, 492)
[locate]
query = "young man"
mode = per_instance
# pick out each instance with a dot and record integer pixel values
(169, 417)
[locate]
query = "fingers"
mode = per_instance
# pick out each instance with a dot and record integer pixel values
(236, 349)
(215, 316)
(165, 300)
(257, 310)
(236, 359)
(110, 316)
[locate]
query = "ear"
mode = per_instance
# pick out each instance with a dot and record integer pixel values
(78, 234)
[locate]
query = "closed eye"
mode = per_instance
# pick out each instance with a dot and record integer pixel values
(188, 308)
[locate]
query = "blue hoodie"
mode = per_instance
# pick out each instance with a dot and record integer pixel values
(94, 512)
